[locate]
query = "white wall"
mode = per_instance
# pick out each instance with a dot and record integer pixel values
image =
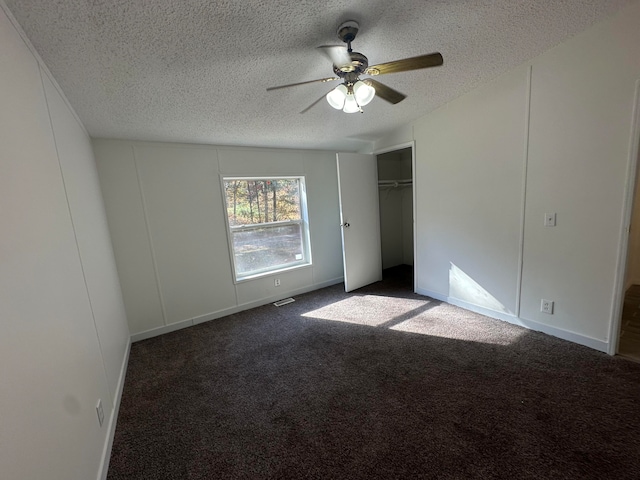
(552, 135)
(64, 339)
(166, 216)
(582, 97)
(470, 160)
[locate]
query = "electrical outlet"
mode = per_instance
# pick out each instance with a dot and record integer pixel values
(276, 282)
(100, 411)
(546, 306)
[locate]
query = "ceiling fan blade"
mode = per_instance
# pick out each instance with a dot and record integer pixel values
(313, 104)
(386, 93)
(338, 54)
(320, 80)
(407, 64)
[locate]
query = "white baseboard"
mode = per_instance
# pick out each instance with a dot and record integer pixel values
(507, 317)
(264, 301)
(113, 418)
(154, 332)
(530, 324)
(229, 311)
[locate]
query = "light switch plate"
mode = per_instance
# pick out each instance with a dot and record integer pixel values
(549, 219)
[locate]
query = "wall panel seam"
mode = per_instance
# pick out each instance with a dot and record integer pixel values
(149, 237)
(523, 210)
(75, 234)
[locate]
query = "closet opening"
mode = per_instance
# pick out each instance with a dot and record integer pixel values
(395, 186)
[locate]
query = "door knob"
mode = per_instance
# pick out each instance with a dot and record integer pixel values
(345, 225)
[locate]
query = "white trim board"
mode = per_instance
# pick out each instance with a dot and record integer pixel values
(393, 148)
(113, 418)
(523, 200)
(631, 188)
(154, 332)
(573, 337)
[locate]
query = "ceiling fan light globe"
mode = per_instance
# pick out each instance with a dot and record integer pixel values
(363, 92)
(337, 97)
(351, 105)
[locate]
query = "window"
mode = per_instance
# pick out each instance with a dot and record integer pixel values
(268, 225)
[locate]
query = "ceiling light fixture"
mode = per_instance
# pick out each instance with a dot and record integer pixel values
(348, 66)
(351, 97)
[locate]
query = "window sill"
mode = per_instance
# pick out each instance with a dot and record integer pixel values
(271, 273)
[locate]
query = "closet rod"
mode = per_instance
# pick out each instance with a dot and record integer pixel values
(395, 183)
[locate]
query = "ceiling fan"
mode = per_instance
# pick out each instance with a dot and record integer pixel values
(351, 95)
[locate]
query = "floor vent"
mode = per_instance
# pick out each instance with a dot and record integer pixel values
(280, 303)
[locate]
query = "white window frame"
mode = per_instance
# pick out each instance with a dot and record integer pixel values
(303, 222)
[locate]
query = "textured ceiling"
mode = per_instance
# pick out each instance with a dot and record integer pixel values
(197, 70)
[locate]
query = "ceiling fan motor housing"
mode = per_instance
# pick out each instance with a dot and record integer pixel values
(348, 30)
(357, 66)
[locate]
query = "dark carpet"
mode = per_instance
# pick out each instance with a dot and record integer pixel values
(378, 383)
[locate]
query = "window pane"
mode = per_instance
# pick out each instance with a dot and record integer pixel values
(264, 248)
(251, 202)
(274, 233)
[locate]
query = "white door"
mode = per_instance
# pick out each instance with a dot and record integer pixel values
(360, 219)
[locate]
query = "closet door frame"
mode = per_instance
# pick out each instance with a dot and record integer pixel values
(393, 148)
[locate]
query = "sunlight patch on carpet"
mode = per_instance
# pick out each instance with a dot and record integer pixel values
(424, 317)
(456, 330)
(372, 310)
